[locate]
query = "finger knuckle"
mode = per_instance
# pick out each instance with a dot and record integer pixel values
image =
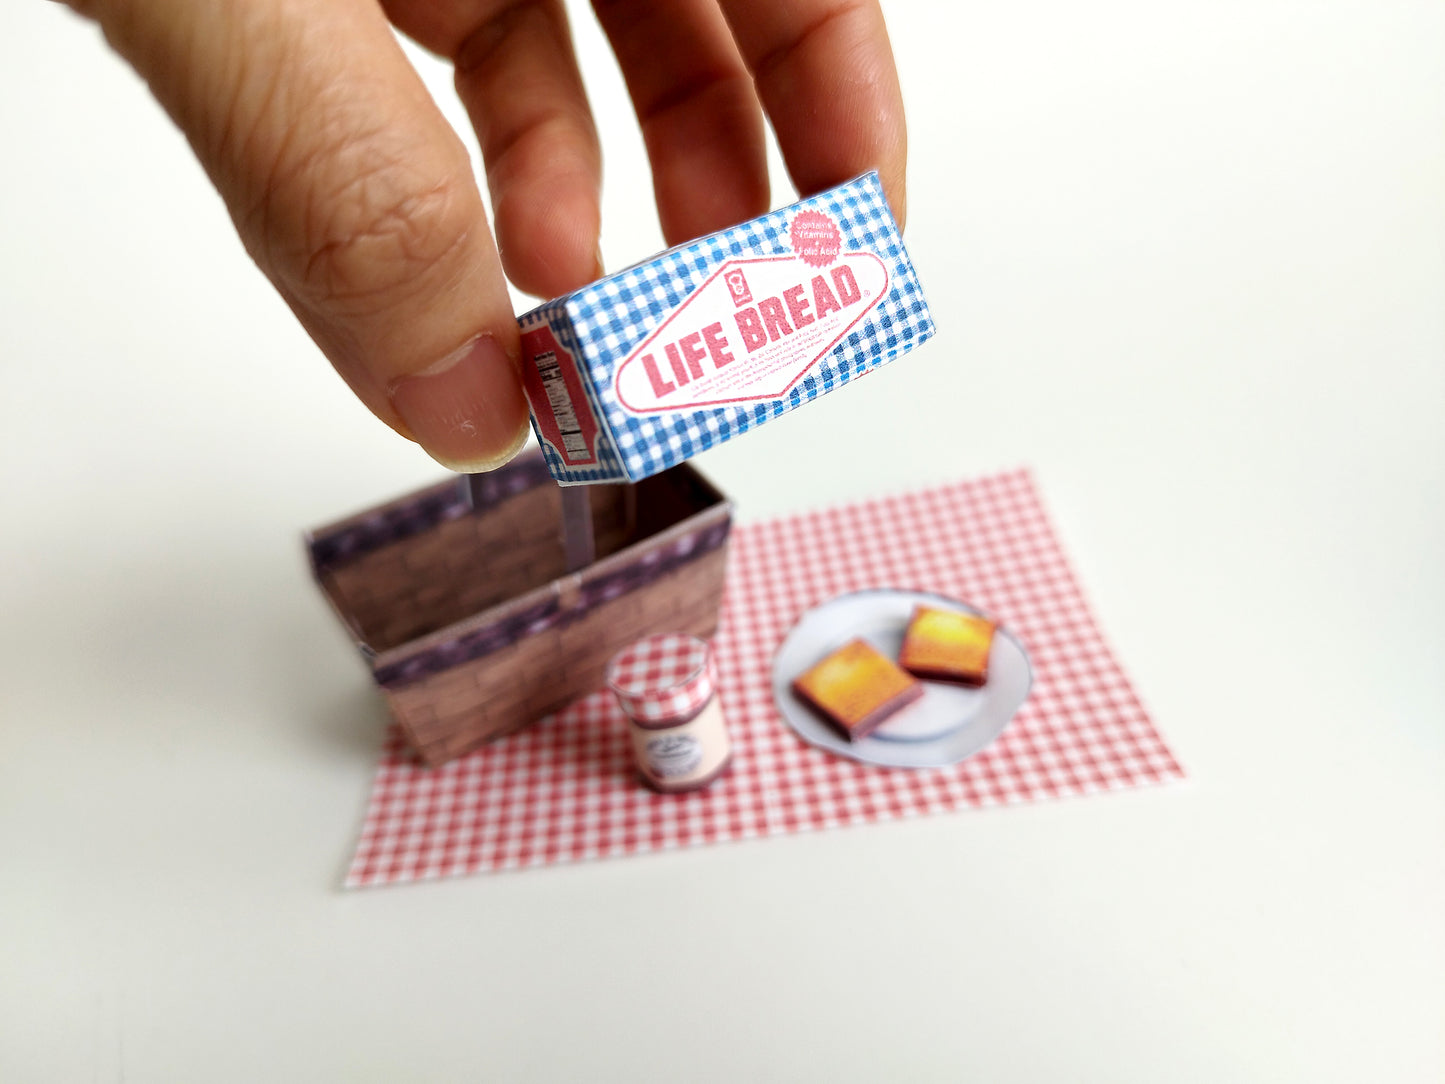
(383, 236)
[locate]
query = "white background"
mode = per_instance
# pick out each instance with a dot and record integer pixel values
(1187, 262)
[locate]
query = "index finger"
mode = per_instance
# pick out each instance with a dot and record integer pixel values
(825, 74)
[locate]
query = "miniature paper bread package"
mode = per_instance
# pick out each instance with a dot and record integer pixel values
(856, 688)
(645, 368)
(947, 645)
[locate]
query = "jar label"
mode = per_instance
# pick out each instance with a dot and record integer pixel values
(689, 752)
(672, 756)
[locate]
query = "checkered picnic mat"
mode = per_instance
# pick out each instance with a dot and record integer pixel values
(566, 789)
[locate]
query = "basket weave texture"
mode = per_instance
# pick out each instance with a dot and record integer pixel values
(459, 599)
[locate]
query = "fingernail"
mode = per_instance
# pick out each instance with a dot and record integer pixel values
(468, 410)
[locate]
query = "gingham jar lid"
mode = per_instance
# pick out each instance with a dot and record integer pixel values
(662, 677)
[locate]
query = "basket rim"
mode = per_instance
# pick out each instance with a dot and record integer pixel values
(556, 589)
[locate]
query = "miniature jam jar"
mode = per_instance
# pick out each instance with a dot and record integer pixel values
(667, 686)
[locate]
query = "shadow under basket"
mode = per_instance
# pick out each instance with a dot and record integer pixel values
(459, 599)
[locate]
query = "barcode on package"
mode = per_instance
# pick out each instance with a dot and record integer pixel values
(573, 442)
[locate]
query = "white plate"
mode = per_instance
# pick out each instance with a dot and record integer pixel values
(945, 725)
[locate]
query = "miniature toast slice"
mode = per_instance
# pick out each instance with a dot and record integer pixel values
(947, 646)
(856, 688)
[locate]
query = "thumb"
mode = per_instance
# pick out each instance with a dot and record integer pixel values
(353, 195)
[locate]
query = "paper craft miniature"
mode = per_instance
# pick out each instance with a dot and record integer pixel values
(645, 368)
(461, 601)
(947, 645)
(856, 688)
(474, 612)
(947, 723)
(666, 684)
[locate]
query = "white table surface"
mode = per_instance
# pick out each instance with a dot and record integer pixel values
(1187, 261)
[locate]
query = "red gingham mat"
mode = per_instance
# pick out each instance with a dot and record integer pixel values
(565, 789)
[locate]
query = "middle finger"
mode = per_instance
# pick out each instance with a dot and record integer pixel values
(700, 117)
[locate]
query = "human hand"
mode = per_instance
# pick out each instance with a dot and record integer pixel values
(357, 199)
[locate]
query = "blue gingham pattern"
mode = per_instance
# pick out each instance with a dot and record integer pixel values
(603, 322)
